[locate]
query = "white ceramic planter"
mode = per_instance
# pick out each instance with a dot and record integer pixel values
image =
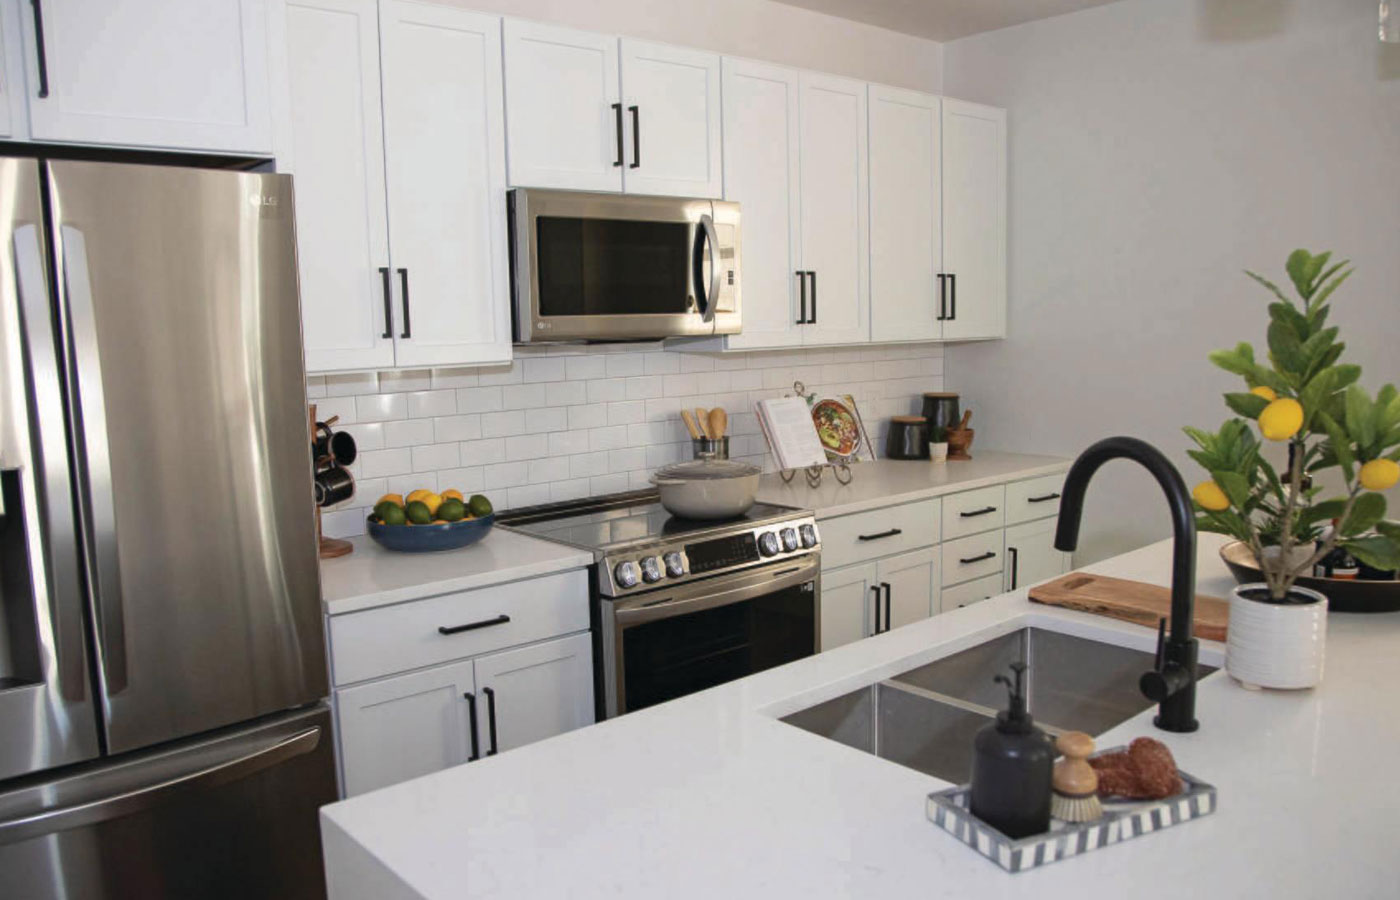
(1276, 645)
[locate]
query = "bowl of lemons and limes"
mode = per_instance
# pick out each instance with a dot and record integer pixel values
(425, 520)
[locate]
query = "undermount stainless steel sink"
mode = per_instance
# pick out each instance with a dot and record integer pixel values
(926, 718)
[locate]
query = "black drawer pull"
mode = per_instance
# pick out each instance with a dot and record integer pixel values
(976, 559)
(472, 626)
(1054, 496)
(978, 512)
(884, 534)
(476, 742)
(876, 589)
(491, 718)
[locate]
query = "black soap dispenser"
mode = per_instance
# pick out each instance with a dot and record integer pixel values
(1012, 765)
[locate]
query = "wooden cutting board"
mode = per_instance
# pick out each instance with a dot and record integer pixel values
(1131, 601)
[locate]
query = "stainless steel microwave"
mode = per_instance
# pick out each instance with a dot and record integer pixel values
(612, 267)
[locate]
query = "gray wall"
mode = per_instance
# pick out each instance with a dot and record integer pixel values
(1156, 149)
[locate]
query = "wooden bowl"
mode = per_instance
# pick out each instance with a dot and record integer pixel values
(428, 538)
(1343, 594)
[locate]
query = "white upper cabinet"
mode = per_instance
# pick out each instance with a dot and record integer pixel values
(332, 140)
(835, 229)
(563, 107)
(671, 142)
(761, 162)
(444, 144)
(906, 239)
(974, 219)
(150, 73)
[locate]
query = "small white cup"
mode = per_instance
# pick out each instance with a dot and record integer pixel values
(938, 452)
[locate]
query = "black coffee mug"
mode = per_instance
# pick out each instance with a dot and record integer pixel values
(338, 445)
(333, 486)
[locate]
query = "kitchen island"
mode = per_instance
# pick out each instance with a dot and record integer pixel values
(712, 796)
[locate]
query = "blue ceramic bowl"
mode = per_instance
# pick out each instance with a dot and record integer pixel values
(425, 538)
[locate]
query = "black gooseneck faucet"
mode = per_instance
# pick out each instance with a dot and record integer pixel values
(1173, 683)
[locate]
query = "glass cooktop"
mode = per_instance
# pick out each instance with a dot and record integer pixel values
(607, 529)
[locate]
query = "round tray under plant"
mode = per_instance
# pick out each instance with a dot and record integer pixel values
(1343, 594)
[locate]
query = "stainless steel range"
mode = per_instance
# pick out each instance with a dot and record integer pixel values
(679, 605)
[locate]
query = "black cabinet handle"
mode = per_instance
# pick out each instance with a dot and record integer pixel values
(403, 283)
(978, 558)
(942, 297)
(953, 297)
(889, 620)
(978, 512)
(636, 137)
(388, 303)
(491, 718)
(476, 743)
(813, 319)
(883, 534)
(802, 291)
(876, 589)
(473, 626)
(1015, 558)
(617, 114)
(1055, 496)
(40, 54)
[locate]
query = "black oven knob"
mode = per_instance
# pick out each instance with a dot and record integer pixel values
(768, 543)
(651, 569)
(626, 574)
(789, 539)
(809, 535)
(675, 566)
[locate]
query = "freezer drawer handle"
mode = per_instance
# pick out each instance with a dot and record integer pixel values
(1054, 496)
(471, 711)
(978, 512)
(491, 718)
(990, 554)
(41, 56)
(883, 534)
(472, 626)
(130, 802)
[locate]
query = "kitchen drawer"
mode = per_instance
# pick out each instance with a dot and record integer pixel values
(974, 511)
(971, 592)
(406, 636)
(972, 557)
(861, 537)
(1038, 498)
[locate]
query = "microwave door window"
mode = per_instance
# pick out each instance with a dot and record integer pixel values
(612, 267)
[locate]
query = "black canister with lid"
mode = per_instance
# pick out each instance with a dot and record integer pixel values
(942, 412)
(1012, 765)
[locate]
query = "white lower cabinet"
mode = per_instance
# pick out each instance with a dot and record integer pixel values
(970, 592)
(1031, 556)
(848, 605)
(854, 598)
(535, 692)
(910, 582)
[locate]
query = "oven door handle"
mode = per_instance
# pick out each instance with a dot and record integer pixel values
(701, 595)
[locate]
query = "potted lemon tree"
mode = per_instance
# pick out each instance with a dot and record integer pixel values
(1304, 396)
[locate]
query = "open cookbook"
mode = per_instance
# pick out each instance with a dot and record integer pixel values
(813, 430)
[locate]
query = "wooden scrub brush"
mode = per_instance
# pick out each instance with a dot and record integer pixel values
(1076, 784)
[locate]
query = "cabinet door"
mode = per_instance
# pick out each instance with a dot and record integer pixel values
(761, 173)
(672, 127)
(913, 585)
(970, 592)
(535, 692)
(974, 219)
(151, 73)
(848, 605)
(906, 230)
(835, 226)
(405, 726)
(1031, 556)
(444, 144)
(331, 139)
(563, 105)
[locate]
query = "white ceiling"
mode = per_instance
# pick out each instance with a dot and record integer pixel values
(944, 20)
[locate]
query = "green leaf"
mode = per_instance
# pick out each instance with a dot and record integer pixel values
(1346, 375)
(1338, 443)
(1298, 266)
(1240, 360)
(1235, 485)
(1321, 296)
(1360, 424)
(1369, 509)
(1325, 511)
(1268, 284)
(1287, 314)
(1390, 530)
(1376, 551)
(1286, 350)
(1247, 405)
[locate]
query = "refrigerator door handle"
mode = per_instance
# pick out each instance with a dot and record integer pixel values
(129, 802)
(96, 507)
(51, 476)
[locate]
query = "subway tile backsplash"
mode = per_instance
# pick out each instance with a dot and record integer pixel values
(572, 421)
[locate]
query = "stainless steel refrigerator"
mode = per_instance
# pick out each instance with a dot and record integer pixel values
(162, 659)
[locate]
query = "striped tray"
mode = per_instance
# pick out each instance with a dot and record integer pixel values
(1121, 821)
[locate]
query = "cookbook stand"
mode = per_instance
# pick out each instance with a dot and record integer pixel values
(840, 467)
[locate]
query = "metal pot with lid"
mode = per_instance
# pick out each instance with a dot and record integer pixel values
(707, 488)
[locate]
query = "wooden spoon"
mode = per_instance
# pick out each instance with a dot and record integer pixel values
(702, 418)
(690, 424)
(719, 422)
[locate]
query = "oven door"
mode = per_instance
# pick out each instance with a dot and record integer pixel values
(666, 644)
(601, 267)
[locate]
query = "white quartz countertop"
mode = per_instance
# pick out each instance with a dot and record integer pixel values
(888, 481)
(372, 576)
(711, 796)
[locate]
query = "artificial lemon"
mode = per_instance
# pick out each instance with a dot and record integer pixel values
(417, 496)
(453, 494)
(1380, 474)
(1266, 392)
(432, 501)
(1209, 495)
(1281, 419)
(396, 499)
